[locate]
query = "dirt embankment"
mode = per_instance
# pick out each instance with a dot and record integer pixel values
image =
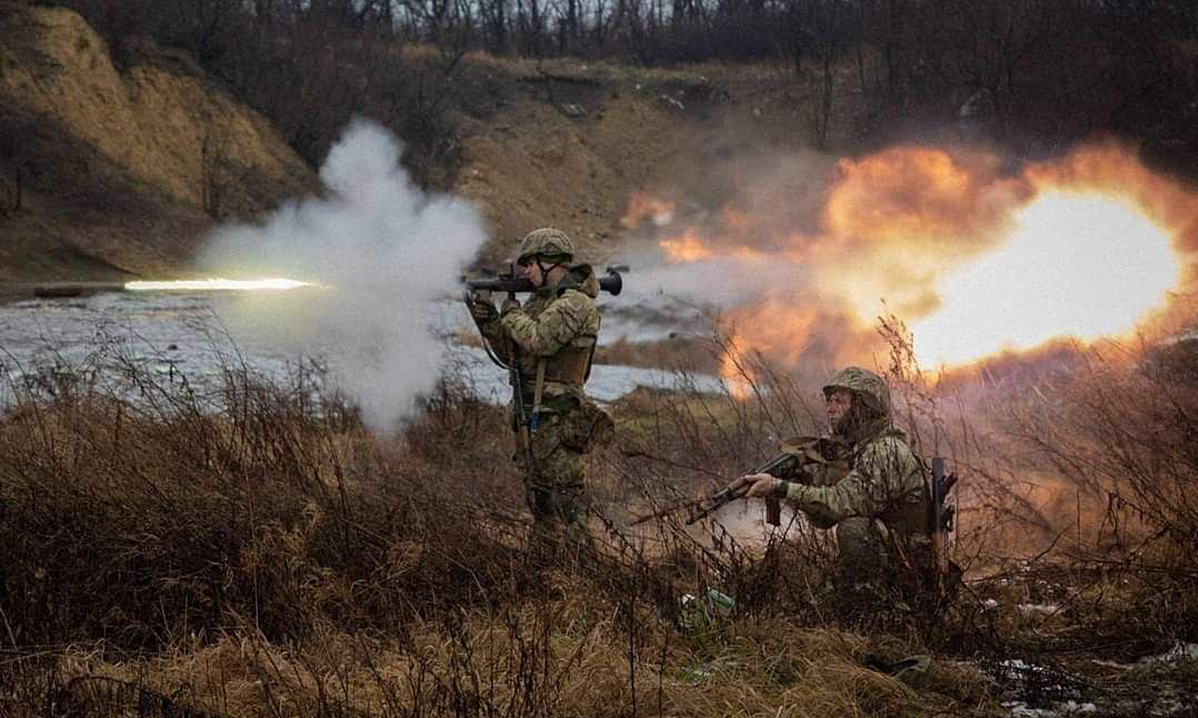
(569, 146)
(116, 161)
(110, 169)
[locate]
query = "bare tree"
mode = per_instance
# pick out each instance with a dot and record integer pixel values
(15, 139)
(216, 169)
(494, 15)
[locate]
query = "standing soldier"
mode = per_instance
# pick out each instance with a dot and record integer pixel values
(880, 508)
(550, 341)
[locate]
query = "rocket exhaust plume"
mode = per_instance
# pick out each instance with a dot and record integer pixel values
(383, 251)
(975, 258)
(217, 284)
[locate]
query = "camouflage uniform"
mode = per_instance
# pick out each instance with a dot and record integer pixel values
(554, 335)
(880, 507)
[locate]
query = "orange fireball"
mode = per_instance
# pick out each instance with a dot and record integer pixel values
(975, 260)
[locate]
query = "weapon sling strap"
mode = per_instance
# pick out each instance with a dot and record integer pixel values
(537, 393)
(590, 358)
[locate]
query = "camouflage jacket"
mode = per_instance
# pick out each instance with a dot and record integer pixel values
(559, 324)
(885, 481)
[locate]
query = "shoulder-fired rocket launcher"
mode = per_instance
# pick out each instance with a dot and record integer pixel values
(509, 282)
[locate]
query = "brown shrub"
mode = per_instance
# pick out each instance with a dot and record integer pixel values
(267, 555)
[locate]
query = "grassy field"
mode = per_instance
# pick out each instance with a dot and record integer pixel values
(274, 558)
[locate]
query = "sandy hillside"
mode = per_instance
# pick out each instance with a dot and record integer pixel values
(571, 144)
(121, 167)
(125, 164)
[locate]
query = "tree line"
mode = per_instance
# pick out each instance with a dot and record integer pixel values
(1051, 68)
(997, 34)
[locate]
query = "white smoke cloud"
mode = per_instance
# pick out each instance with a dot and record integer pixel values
(721, 282)
(386, 251)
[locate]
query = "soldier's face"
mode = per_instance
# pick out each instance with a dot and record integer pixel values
(838, 401)
(532, 272)
(539, 278)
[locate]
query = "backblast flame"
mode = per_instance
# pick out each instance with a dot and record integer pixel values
(1083, 266)
(974, 260)
(686, 249)
(642, 207)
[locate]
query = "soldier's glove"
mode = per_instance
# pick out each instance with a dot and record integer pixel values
(483, 310)
(509, 304)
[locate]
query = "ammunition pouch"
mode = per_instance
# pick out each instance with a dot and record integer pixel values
(917, 518)
(910, 518)
(586, 426)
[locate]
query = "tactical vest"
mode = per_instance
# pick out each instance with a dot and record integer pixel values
(823, 461)
(568, 368)
(571, 365)
(911, 516)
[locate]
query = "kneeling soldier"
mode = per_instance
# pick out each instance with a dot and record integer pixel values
(879, 509)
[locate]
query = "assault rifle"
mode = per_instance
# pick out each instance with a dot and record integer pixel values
(512, 284)
(526, 425)
(524, 421)
(704, 507)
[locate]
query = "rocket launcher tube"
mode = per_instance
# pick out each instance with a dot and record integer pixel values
(612, 284)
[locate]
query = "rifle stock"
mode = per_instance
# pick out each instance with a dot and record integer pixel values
(941, 518)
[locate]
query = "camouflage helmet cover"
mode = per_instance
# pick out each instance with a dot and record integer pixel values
(865, 384)
(548, 242)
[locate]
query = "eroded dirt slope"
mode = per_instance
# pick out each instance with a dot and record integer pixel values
(569, 144)
(124, 164)
(120, 168)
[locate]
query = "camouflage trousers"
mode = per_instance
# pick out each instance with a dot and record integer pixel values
(879, 573)
(556, 488)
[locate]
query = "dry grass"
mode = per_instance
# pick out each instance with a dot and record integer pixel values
(263, 554)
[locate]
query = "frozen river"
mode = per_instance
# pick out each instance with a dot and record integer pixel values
(182, 337)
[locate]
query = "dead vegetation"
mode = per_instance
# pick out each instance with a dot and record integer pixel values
(257, 552)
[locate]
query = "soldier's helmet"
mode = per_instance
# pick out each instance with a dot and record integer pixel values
(870, 388)
(551, 244)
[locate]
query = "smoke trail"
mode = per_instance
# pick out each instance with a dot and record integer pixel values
(386, 250)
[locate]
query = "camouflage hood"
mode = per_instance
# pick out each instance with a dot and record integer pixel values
(580, 277)
(871, 390)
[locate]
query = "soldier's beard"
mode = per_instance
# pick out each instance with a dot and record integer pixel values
(856, 424)
(844, 427)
